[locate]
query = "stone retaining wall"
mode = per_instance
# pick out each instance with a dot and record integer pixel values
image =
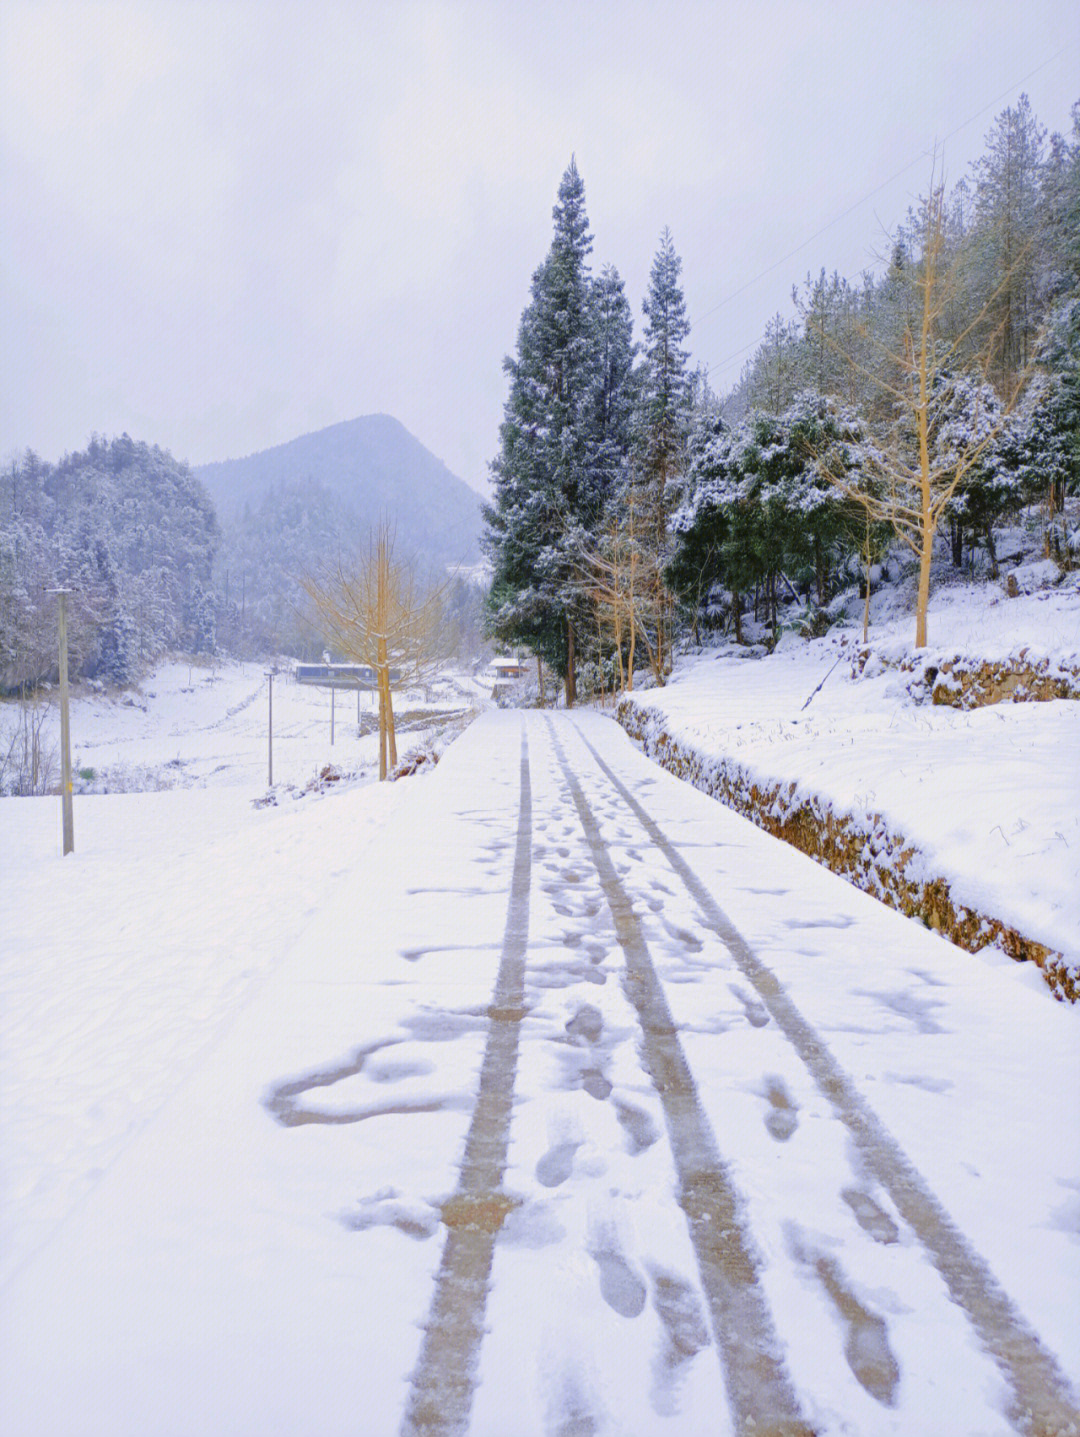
(965, 683)
(863, 850)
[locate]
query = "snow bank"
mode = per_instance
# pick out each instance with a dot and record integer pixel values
(968, 819)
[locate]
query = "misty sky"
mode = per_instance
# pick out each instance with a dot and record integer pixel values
(226, 224)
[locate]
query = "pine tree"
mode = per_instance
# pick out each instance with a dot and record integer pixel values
(610, 411)
(1008, 237)
(662, 425)
(1061, 206)
(549, 483)
(1046, 432)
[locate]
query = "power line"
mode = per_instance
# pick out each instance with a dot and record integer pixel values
(710, 368)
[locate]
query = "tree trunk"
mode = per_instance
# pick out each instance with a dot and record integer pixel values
(382, 731)
(1055, 503)
(956, 538)
(571, 677)
(991, 550)
(661, 646)
(391, 735)
(925, 555)
(540, 679)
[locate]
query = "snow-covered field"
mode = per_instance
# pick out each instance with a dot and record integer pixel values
(990, 797)
(200, 725)
(126, 961)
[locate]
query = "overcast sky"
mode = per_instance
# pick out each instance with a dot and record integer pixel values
(227, 224)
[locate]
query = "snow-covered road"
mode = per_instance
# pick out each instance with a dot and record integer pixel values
(585, 1108)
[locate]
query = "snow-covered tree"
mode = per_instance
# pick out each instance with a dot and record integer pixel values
(917, 477)
(1008, 240)
(763, 505)
(661, 426)
(1045, 433)
(549, 485)
(130, 530)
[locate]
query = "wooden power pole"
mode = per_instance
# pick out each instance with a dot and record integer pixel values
(65, 726)
(270, 734)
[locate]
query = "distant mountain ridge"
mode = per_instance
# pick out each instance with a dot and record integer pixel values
(378, 468)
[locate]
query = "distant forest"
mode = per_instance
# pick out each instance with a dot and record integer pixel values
(132, 533)
(135, 537)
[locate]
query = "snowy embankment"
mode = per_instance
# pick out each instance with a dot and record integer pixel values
(123, 964)
(966, 818)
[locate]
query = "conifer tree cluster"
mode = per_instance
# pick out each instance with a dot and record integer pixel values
(592, 445)
(132, 533)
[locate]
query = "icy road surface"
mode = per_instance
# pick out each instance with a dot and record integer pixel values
(587, 1108)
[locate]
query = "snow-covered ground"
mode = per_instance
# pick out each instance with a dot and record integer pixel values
(125, 961)
(244, 1050)
(990, 797)
(199, 725)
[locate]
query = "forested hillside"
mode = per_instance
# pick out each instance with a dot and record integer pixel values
(132, 533)
(913, 409)
(290, 510)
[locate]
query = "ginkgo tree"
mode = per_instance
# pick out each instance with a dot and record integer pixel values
(942, 416)
(374, 612)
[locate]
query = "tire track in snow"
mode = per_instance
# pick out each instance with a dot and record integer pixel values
(759, 1390)
(441, 1388)
(1043, 1405)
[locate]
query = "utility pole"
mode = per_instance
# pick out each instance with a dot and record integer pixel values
(270, 735)
(65, 726)
(333, 695)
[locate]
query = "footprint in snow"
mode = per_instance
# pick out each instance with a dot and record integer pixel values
(685, 1335)
(620, 1285)
(557, 1164)
(783, 1117)
(586, 1026)
(866, 1347)
(756, 1014)
(870, 1217)
(639, 1128)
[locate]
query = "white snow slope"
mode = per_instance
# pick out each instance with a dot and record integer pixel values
(243, 1055)
(990, 797)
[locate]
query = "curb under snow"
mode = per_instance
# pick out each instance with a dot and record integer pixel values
(860, 848)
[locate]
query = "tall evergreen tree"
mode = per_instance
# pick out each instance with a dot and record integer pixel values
(1061, 204)
(662, 426)
(610, 412)
(549, 485)
(1009, 238)
(664, 406)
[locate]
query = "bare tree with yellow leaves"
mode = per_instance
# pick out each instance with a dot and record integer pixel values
(939, 417)
(374, 613)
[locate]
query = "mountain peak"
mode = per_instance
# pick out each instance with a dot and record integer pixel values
(377, 467)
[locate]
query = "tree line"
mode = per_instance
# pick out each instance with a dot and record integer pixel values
(920, 406)
(133, 534)
(130, 531)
